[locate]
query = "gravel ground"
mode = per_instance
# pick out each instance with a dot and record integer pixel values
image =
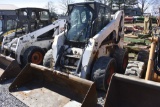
(6, 99)
(101, 95)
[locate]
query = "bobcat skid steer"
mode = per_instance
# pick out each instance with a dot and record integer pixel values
(89, 51)
(7, 23)
(32, 38)
(134, 90)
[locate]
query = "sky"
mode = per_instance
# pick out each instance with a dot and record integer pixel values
(34, 3)
(39, 3)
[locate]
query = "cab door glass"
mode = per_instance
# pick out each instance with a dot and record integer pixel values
(83, 16)
(100, 19)
(11, 24)
(44, 15)
(107, 16)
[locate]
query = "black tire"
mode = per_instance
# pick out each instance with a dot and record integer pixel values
(28, 55)
(143, 56)
(48, 59)
(136, 69)
(101, 72)
(121, 57)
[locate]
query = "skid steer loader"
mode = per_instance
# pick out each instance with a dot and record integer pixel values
(30, 40)
(134, 90)
(89, 50)
(33, 36)
(7, 23)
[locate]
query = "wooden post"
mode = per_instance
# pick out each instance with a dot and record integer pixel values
(150, 60)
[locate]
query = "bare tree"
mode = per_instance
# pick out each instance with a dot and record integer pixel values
(64, 4)
(50, 6)
(118, 4)
(101, 1)
(145, 4)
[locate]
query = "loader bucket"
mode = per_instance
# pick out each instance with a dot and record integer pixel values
(126, 91)
(40, 86)
(9, 68)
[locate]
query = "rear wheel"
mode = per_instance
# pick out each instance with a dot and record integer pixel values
(102, 71)
(143, 56)
(121, 57)
(136, 69)
(48, 59)
(33, 55)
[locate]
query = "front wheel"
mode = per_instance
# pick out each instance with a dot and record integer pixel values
(48, 59)
(136, 69)
(121, 57)
(33, 55)
(102, 71)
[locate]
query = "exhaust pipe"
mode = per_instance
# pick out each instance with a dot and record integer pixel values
(40, 86)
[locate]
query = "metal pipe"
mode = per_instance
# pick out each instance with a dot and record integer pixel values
(150, 60)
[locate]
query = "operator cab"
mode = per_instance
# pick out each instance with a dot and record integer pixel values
(81, 18)
(7, 23)
(31, 19)
(85, 20)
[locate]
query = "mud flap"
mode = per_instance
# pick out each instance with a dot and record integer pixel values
(40, 86)
(9, 68)
(126, 91)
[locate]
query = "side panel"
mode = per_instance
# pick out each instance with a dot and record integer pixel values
(112, 26)
(58, 42)
(88, 56)
(95, 44)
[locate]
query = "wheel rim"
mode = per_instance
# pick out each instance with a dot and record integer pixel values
(125, 62)
(111, 71)
(37, 58)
